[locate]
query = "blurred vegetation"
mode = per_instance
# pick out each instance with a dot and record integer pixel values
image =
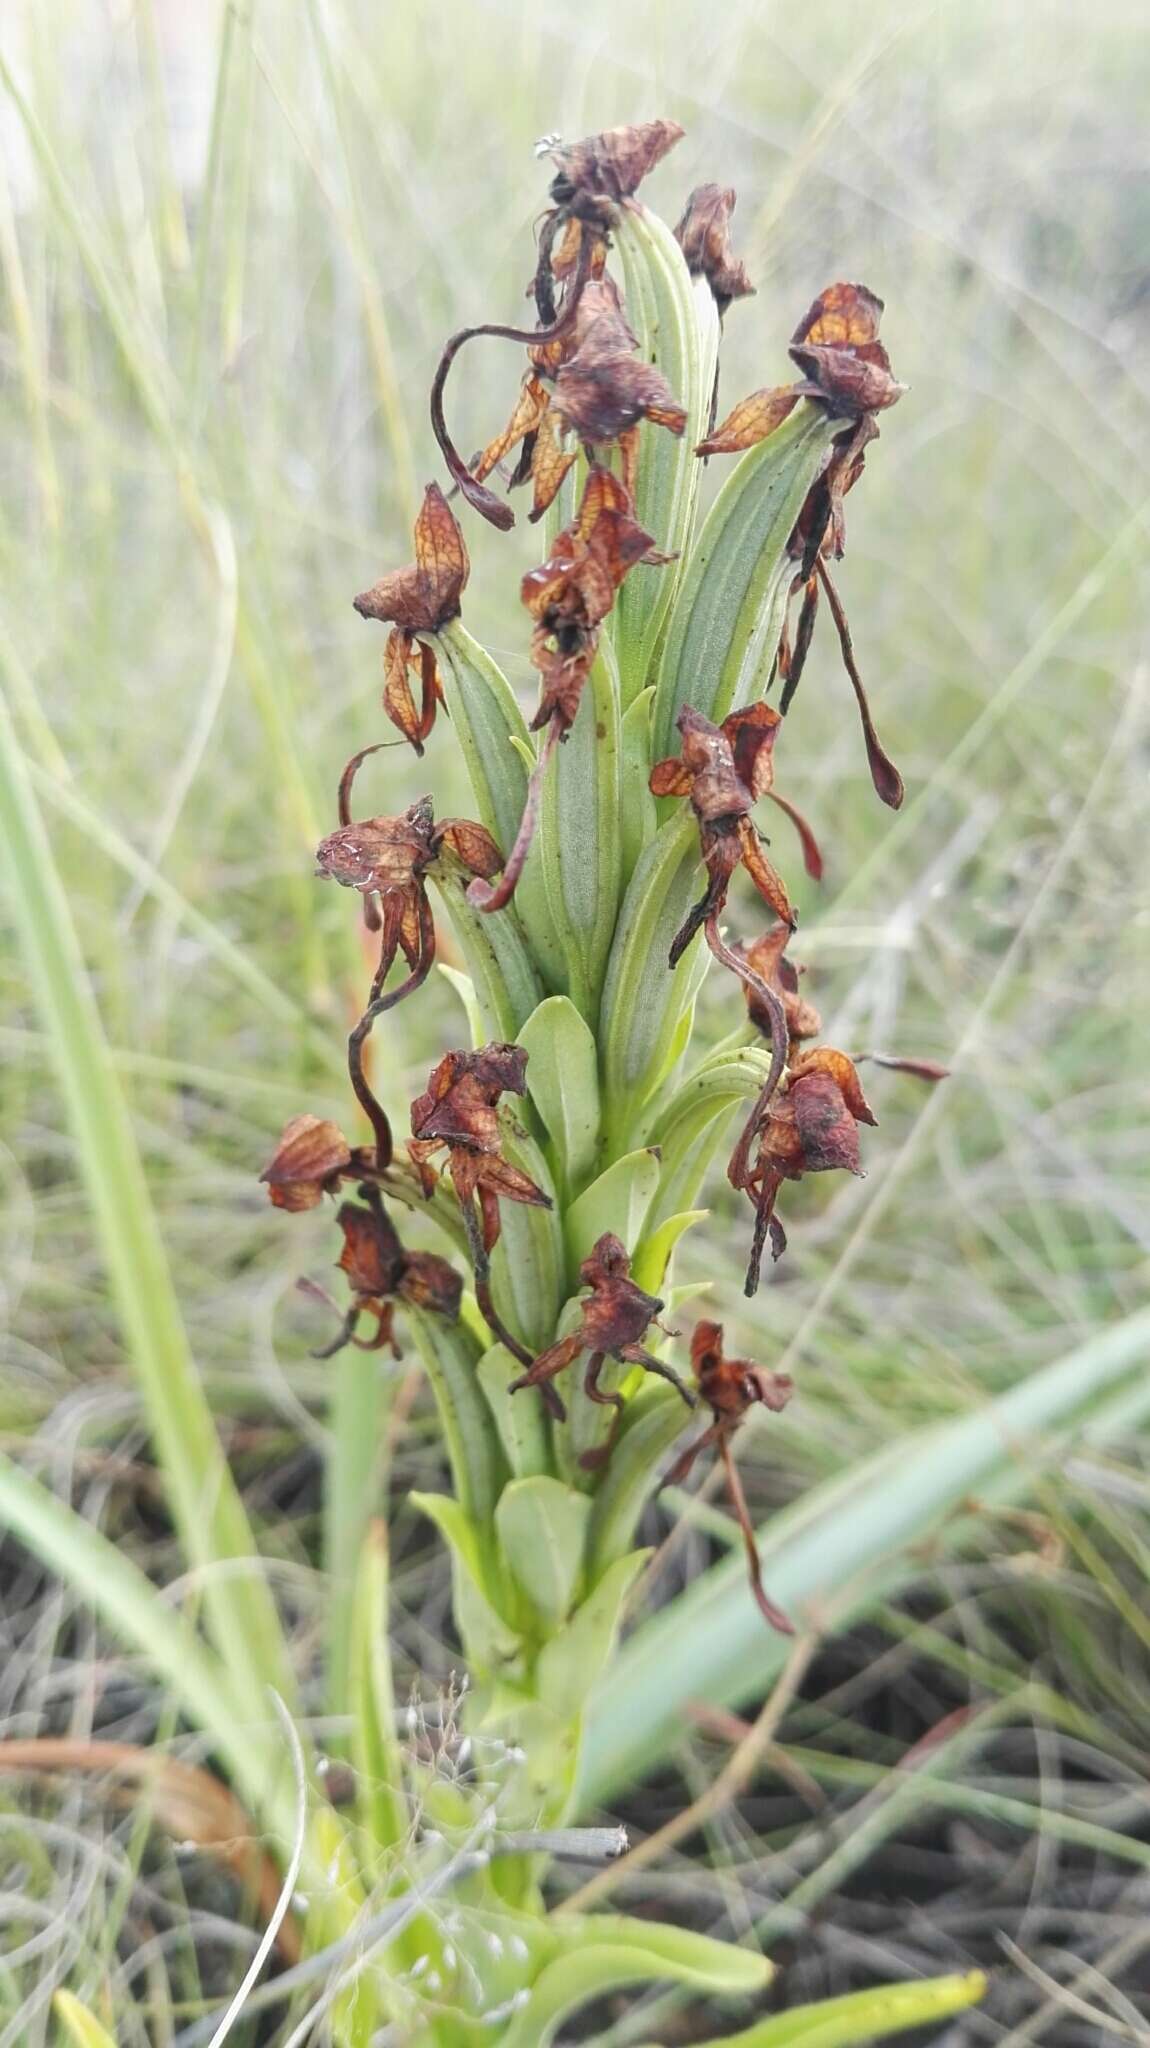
(231, 242)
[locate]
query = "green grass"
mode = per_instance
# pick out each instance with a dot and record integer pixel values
(229, 249)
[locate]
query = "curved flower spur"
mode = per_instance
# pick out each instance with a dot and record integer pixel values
(576, 1195)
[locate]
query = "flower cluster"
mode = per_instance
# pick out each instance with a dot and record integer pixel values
(589, 399)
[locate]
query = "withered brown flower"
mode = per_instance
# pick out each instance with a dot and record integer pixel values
(808, 1126)
(731, 1387)
(389, 859)
(766, 958)
(847, 371)
(704, 236)
(421, 598)
(602, 171)
(458, 1113)
(588, 383)
(311, 1159)
(723, 770)
(602, 393)
(569, 596)
(615, 1318)
(380, 1273)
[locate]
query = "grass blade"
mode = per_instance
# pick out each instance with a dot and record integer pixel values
(835, 1550)
(209, 1516)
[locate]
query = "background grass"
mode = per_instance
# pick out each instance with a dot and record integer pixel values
(231, 241)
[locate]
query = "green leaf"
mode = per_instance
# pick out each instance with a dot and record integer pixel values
(640, 812)
(728, 612)
(653, 1253)
(690, 1127)
(528, 1263)
(500, 965)
(653, 1420)
(618, 1201)
(209, 1515)
(861, 2016)
(851, 1541)
(496, 745)
(485, 715)
(605, 1952)
(519, 1418)
(644, 999)
(126, 1601)
(542, 1529)
(81, 2026)
(450, 1358)
(380, 1802)
(575, 1657)
(678, 330)
(465, 989)
(491, 1641)
(579, 837)
(563, 1082)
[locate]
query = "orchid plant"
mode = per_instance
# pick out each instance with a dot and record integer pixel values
(561, 1154)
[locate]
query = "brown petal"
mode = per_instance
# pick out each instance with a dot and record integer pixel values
(470, 843)
(826, 1129)
(704, 236)
(511, 1184)
(670, 778)
(430, 1282)
(922, 1070)
(843, 316)
(398, 701)
(751, 734)
(441, 557)
(550, 463)
(372, 1256)
(611, 165)
(751, 421)
(530, 407)
(763, 874)
(824, 1059)
(311, 1150)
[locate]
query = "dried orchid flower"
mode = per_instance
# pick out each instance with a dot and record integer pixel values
(389, 859)
(568, 597)
(422, 598)
(807, 1126)
(846, 370)
(458, 1114)
(615, 1318)
(704, 236)
(723, 770)
(380, 1273)
(731, 1387)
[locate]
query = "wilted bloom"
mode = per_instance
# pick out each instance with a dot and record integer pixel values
(389, 859)
(569, 596)
(808, 1126)
(309, 1162)
(704, 236)
(731, 1387)
(615, 1318)
(589, 384)
(847, 371)
(421, 598)
(723, 770)
(598, 173)
(380, 1272)
(459, 1114)
(766, 958)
